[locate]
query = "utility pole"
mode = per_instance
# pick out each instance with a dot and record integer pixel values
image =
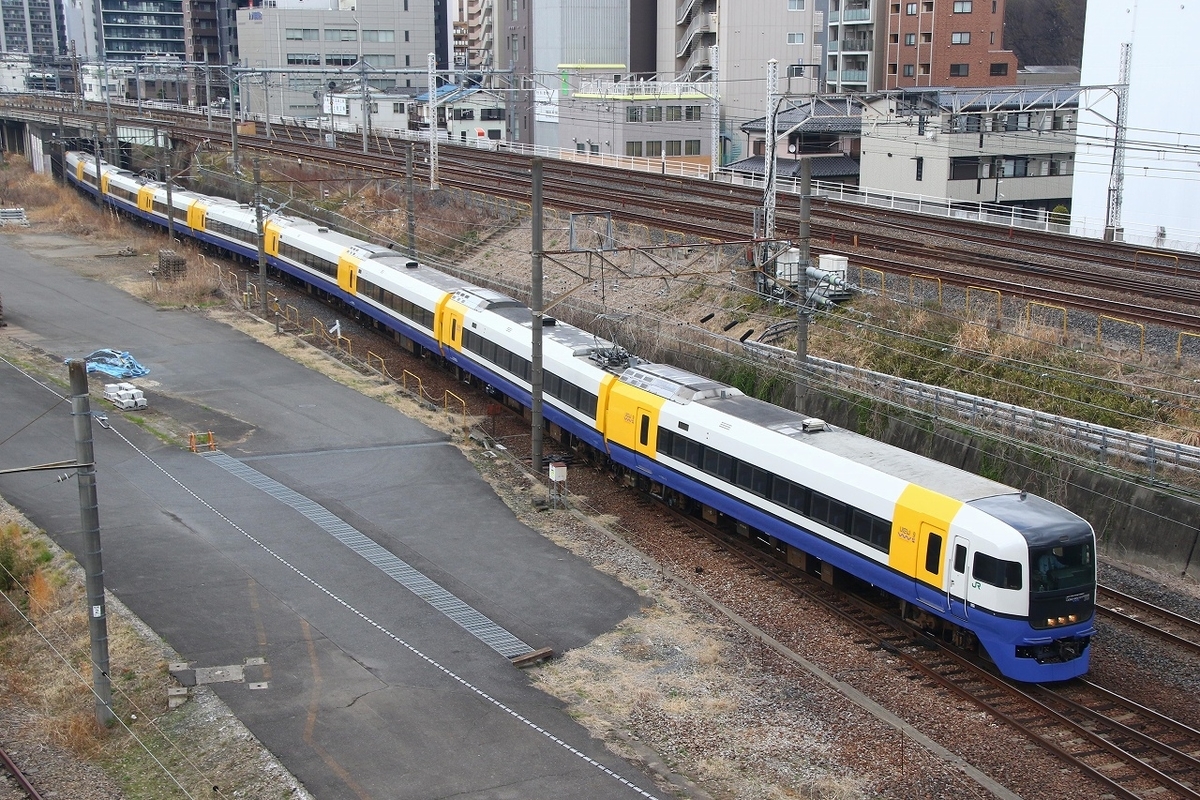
(803, 312)
(208, 99)
(96, 152)
(769, 166)
(715, 128)
(411, 203)
(237, 183)
(164, 166)
(262, 250)
(535, 405)
(89, 516)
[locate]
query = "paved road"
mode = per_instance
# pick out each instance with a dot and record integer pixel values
(370, 691)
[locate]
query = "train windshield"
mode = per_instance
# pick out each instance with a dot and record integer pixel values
(1054, 569)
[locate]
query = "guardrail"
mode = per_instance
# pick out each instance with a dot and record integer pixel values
(1068, 434)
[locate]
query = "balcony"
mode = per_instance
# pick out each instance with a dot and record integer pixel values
(856, 15)
(861, 44)
(852, 76)
(685, 10)
(701, 24)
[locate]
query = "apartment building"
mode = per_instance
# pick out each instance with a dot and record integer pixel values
(735, 39)
(946, 43)
(1012, 147)
(34, 27)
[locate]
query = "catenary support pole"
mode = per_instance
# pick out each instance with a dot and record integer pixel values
(89, 517)
(802, 307)
(233, 136)
(411, 203)
(535, 459)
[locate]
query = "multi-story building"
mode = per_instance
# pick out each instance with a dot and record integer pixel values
(735, 39)
(853, 60)
(134, 28)
(481, 35)
(298, 51)
(658, 120)
(35, 27)
(1013, 147)
(947, 43)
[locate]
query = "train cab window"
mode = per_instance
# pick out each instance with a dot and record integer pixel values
(644, 434)
(960, 558)
(995, 572)
(933, 554)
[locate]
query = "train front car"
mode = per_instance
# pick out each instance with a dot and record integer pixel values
(1049, 638)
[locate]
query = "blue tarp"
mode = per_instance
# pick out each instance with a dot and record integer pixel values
(114, 363)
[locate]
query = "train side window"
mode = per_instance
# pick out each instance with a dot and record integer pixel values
(836, 516)
(760, 482)
(726, 467)
(933, 554)
(745, 475)
(644, 434)
(798, 498)
(695, 454)
(960, 558)
(781, 491)
(712, 460)
(666, 441)
(819, 507)
(679, 448)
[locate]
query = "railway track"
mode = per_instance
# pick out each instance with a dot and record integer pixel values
(1167, 625)
(18, 776)
(1133, 751)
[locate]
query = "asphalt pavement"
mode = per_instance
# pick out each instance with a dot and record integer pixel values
(358, 573)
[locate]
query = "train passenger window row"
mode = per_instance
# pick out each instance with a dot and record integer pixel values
(225, 229)
(178, 213)
(574, 396)
(854, 522)
(124, 194)
(89, 178)
(405, 308)
(290, 251)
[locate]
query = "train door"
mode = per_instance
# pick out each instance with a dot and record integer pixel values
(931, 567)
(646, 439)
(957, 587)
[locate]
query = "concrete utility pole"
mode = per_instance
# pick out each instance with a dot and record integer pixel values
(96, 152)
(262, 250)
(164, 165)
(715, 126)
(233, 136)
(89, 516)
(535, 405)
(411, 202)
(803, 312)
(769, 163)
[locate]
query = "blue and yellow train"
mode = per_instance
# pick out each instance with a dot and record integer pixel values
(966, 558)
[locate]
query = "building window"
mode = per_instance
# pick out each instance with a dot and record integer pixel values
(633, 114)
(993, 6)
(406, 5)
(397, 108)
(674, 147)
(581, 147)
(380, 60)
(301, 34)
(379, 36)
(960, 38)
(910, 39)
(595, 148)
(304, 59)
(692, 113)
(653, 114)
(674, 113)
(691, 147)
(894, 38)
(925, 69)
(927, 7)
(962, 6)
(893, 69)
(920, 167)
(795, 5)
(998, 70)
(926, 37)
(909, 70)
(910, 9)
(340, 59)
(633, 149)
(795, 38)
(959, 70)
(408, 63)
(895, 8)
(406, 36)
(653, 149)
(341, 35)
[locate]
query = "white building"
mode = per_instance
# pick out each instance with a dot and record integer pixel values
(1162, 170)
(1011, 147)
(389, 111)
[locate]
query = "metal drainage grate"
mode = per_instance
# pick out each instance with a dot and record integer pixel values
(403, 573)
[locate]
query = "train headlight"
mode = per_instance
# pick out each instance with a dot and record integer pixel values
(1062, 620)
(1051, 622)
(1073, 618)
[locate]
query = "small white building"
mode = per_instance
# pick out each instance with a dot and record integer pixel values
(466, 114)
(14, 69)
(95, 76)
(389, 110)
